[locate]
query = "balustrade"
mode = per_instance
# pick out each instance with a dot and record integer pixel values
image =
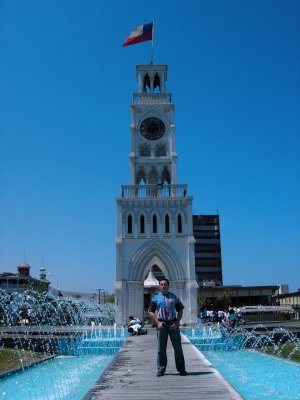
(154, 191)
(152, 98)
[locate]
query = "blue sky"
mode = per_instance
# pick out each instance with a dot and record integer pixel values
(66, 86)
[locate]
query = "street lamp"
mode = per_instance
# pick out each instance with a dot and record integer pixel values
(99, 290)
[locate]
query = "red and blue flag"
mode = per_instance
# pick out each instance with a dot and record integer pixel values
(140, 34)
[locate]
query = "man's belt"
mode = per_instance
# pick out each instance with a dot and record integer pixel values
(168, 322)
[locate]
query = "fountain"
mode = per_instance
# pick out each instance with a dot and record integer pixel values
(250, 359)
(71, 335)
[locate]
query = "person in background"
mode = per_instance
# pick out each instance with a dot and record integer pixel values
(232, 317)
(135, 326)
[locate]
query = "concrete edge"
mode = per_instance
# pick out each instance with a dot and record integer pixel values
(234, 393)
(101, 379)
(13, 371)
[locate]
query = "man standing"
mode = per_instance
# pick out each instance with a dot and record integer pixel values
(166, 304)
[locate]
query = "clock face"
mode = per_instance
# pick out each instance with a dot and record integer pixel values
(152, 128)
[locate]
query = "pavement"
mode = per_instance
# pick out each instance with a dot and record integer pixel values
(132, 375)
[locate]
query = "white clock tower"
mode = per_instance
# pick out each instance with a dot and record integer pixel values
(154, 213)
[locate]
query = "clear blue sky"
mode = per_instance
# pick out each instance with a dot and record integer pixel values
(66, 86)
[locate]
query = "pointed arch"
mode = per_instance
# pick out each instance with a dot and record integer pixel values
(165, 176)
(142, 224)
(167, 223)
(154, 223)
(146, 83)
(156, 83)
(129, 224)
(179, 223)
(159, 253)
(141, 176)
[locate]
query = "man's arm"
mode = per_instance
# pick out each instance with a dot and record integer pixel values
(179, 316)
(159, 324)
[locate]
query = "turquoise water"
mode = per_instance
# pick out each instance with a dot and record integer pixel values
(254, 375)
(69, 376)
(62, 378)
(257, 376)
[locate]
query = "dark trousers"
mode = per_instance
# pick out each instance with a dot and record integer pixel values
(162, 339)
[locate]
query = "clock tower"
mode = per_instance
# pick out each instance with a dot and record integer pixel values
(154, 212)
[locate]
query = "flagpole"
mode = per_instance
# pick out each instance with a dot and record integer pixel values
(152, 47)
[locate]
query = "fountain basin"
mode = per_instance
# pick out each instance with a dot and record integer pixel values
(240, 356)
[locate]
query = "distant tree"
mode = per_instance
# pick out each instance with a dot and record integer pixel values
(203, 302)
(110, 298)
(225, 299)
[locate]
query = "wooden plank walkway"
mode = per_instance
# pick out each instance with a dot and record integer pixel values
(132, 375)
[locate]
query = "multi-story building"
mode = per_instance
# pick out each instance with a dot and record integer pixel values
(22, 280)
(208, 260)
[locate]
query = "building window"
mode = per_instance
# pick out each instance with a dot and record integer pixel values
(179, 223)
(145, 150)
(167, 224)
(154, 224)
(160, 150)
(142, 224)
(129, 224)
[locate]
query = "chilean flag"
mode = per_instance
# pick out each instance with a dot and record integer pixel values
(140, 34)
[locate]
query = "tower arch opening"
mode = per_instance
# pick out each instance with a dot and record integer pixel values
(142, 224)
(129, 224)
(140, 177)
(146, 84)
(156, 84)
(160, 254)
(154, 223)
(165, 176)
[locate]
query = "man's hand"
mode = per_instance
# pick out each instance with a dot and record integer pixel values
(160, 325)
(175, 325)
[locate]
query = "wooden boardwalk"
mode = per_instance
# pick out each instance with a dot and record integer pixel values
(132, 375)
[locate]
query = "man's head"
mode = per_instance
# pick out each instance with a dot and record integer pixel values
(164, 285)
(130, 317)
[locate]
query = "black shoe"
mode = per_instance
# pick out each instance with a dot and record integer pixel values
(183, 373)
(160, 373)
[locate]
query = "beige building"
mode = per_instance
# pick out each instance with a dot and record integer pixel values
(290, 299)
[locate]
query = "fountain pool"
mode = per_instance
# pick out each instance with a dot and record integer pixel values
(81, 337)
(61, 378)
(240, 356)
(257, 376)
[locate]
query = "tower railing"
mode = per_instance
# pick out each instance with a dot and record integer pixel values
(151, 98)
(154, 191)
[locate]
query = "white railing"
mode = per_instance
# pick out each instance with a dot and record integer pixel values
(152, 98)
(152, 191)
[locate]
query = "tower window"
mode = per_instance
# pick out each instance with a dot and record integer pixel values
(142, 224)
(154, 224)
(179, 223)
(160, 150)
(129, 224)
(167, 224)
(156, 83)
(166, 176)
(145, 150)
(146, 83)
